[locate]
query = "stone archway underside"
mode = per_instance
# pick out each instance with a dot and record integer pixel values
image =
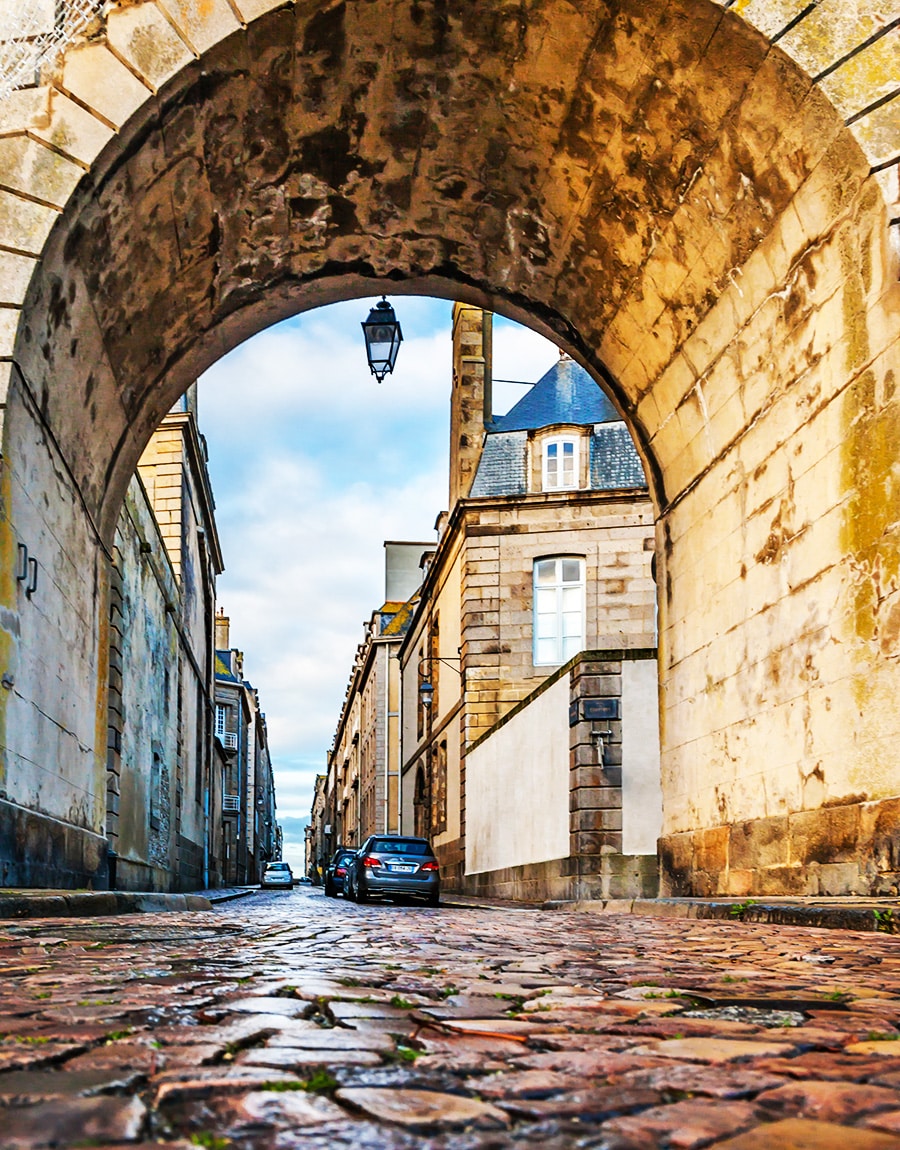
(656, 185)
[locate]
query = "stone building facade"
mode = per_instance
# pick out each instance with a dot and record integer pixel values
(362, 788)
(249, 831)
(163, 787)
(547, 553)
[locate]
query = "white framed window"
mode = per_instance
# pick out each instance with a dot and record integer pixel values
(221, 711)
(560, 468)
(558, 609)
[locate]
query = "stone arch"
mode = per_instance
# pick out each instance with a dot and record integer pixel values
(676, 201)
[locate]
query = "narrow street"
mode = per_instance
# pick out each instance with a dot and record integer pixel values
(287, 1019)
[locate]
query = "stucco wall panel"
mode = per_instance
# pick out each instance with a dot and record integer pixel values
(517, 788)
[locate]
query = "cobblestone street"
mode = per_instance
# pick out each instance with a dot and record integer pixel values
(288, 1019)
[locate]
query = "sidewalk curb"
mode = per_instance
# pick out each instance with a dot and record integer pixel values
(89, 904)
(231, 895)
(881, 915)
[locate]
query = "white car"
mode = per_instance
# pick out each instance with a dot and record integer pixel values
(277, 874)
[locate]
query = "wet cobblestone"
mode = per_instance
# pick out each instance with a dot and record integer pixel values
(290, 1020)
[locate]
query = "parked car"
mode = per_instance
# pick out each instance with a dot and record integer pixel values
(303, 880)
(277, 874)
(336, 871)
(394, 865)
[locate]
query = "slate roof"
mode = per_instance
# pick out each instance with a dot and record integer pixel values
(614, 461)
(564, 394)
(501, 469)
(397, 621)
(223, 659)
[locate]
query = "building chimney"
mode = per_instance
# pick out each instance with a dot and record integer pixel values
(223, 631)
(470, 400)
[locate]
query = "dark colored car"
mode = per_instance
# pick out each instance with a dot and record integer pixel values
(336, 871)
(277, 874)
(394, 865)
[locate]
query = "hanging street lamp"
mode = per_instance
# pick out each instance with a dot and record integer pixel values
(383, 336)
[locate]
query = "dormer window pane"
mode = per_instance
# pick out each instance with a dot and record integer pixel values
(560, 464)
(568, 465)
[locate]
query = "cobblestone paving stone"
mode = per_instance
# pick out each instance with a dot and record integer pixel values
(290, 1020)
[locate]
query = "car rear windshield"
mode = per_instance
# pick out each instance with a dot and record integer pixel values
(401, 847)
(278, 866)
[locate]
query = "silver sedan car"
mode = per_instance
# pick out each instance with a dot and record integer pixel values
(394, 865)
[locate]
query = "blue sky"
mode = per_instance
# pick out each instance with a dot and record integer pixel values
(313, 466)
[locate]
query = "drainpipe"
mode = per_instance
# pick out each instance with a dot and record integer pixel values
(386, 655)
(206, 832)
(399, 743)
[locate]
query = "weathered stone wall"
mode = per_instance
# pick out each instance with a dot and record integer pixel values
(54, 645)
(695, 203)
(145, 831)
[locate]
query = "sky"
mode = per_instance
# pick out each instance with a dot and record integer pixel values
(313, 465)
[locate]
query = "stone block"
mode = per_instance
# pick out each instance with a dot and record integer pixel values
(759, 842)
(612, 755)
(592, 843)
(786, 880)
(595, 798)
(827, 835)
(93, 75)
(869, 75)
(24, 225)
(841, 879)
(31, 167)
(711, 849)
(145, 38)
(15, 275)
(201, 25)
(596, 820)
(738, 883)
(591, 775)
(9, 323)
(878, 133)
(49, 115)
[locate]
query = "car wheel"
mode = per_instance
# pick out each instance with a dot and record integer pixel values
(433, 899)
(330, 891)
(362, 895)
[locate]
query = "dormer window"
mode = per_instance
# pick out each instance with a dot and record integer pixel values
(560, 463)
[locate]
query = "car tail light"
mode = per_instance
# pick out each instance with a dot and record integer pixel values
(429, 866)
(340, 870)
(370, 860)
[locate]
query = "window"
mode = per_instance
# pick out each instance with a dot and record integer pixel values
(558, 609)
(220, 720)
(560, 469)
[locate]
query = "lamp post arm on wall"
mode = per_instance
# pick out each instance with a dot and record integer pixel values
(426, 689)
